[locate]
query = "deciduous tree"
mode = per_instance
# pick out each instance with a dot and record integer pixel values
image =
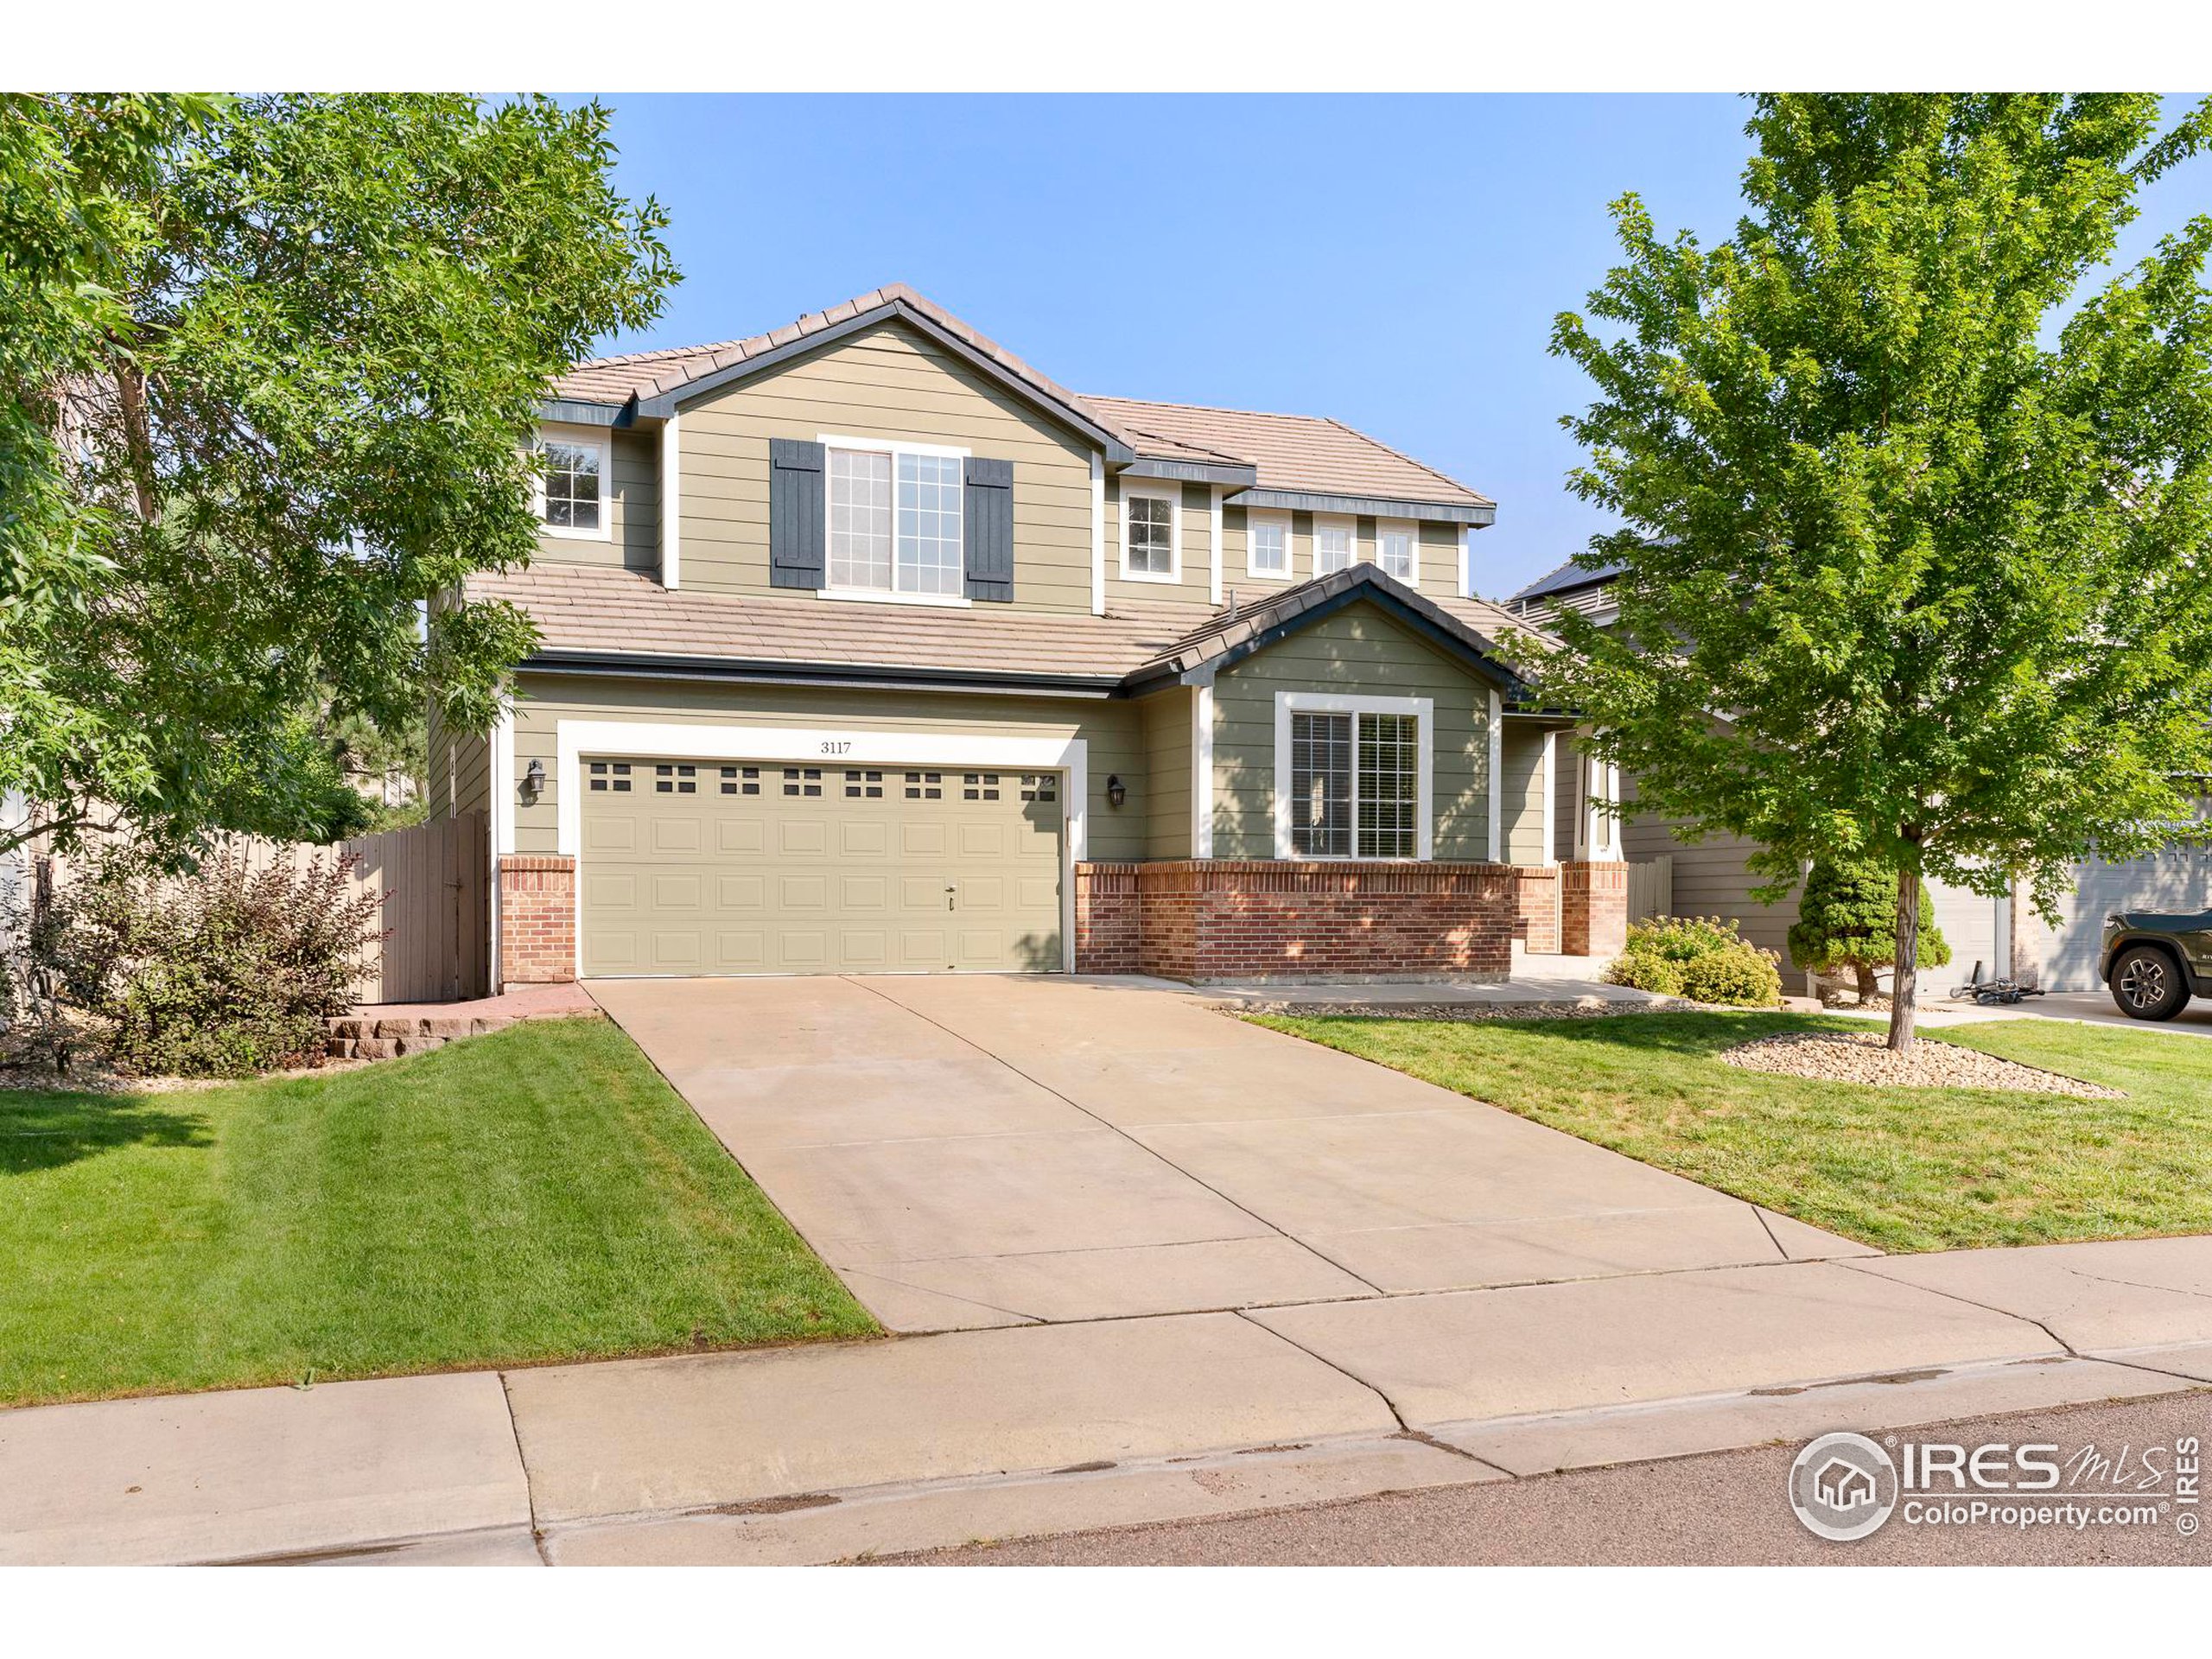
(1916, 497)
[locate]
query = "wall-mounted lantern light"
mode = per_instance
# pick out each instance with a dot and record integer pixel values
(1116, 790)
(533, 781)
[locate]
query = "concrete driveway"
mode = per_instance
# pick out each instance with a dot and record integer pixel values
(970, 1151)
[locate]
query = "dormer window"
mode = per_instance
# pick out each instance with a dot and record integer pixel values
(572, 495)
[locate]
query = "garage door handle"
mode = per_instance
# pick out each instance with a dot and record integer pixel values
(949, 889)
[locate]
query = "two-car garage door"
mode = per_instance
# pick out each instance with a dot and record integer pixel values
(717, 867)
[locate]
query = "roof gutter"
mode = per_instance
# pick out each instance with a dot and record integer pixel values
(845, 675)
(1373, 506)
(1236, 475)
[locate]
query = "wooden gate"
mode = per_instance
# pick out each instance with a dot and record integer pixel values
(1651, 887)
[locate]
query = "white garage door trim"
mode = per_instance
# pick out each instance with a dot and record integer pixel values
(574, 739)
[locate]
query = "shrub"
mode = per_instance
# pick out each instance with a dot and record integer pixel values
(220, 971)
(1740, 974)
(1703, 958)
(1848, 919)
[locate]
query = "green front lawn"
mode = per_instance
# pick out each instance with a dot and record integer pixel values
(1919, 1169)
(539, 1193)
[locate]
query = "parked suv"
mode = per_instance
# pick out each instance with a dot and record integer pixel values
(2154, 963)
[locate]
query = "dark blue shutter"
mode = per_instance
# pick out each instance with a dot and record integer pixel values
(988, 513)
(797, 513)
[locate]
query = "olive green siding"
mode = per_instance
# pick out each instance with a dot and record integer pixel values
(1357, 651)
(887, 383)
(1712, 877)
(1521, 775)
(1113, 731)
(1166, 716)
(632, 508)
(455, 766)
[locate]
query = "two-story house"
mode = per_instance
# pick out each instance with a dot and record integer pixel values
(865, 646)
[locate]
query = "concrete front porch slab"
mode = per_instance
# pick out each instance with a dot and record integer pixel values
(257, 1471)
(1609, 1342)
(706, 1430)
(2095, 1298)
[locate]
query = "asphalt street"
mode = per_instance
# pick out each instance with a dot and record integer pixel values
(1725, 1508)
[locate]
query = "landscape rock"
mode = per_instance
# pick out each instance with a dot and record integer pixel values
(1839, 1058)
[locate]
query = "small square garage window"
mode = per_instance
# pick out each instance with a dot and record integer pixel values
(610, 776)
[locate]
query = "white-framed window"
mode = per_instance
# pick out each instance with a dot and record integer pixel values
(1332, 546)
(1267, 545)
(1397, 549)
(896, 519)
(571, 497)
(1353, 776)
(1151, 532)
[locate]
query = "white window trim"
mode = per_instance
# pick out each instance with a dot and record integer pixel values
(1097, 534)
(1254, 516)
(1213, 545)
(601, 443)
(575, 739)
(1202, 772)
(1171, 494)
(894, 448)
(1324, 702)
(1345, 522)
(1412, 531)
(671, 503)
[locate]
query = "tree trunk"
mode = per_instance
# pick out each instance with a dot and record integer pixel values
(2027, 966)
(1869, 987)
(1905, 984)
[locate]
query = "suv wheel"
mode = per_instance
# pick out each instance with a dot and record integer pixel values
(2147, 985)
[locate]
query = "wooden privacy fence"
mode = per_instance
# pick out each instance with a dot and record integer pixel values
(1651, 887)
(436, 910)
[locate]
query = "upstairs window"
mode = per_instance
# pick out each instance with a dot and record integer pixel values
(1269, 546)
(1148, 535)
(1331, 548)
(1394, 551)
(895, 522)
(571, 497)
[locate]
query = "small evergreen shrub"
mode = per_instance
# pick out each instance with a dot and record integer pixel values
(1847, 920)
(1703, 958)
(223, 971)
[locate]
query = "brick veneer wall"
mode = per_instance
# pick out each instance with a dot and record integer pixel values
(1535, 910)
(1106, 927)
(1593, 908)
(537, 920)
(1234, 919)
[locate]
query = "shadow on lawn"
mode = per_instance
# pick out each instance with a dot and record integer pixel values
(1691, 1034)
(47, 1131)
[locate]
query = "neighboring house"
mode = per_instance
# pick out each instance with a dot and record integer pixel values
(1710, 878)
(867, 646)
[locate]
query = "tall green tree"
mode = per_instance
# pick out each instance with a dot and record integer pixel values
(1916, 496)
(268, 374)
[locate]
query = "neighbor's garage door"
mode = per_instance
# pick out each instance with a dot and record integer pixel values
(703, 867)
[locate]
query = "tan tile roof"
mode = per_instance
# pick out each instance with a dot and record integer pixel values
(1294, 452)
(598, 611)
(1300, 453)
(650, 374)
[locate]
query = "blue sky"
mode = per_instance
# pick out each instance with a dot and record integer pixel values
(1393, 262)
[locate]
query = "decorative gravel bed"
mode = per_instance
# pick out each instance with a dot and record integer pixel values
(1929, 1065)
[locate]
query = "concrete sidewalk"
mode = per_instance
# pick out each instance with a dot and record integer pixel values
(824, 1454)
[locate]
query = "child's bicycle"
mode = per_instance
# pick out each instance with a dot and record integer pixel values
(1988, 992)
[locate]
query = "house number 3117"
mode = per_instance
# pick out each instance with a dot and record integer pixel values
(837, 746)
